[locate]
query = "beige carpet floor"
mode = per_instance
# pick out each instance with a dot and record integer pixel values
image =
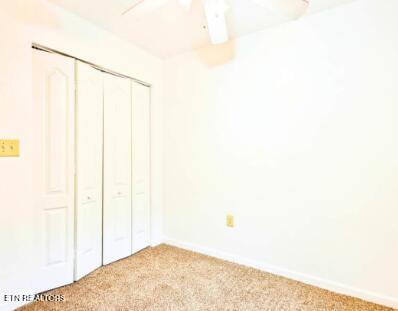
(169, 278)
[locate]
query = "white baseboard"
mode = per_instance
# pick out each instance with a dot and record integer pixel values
(301, 277)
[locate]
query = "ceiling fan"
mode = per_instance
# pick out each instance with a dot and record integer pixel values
(215, 12)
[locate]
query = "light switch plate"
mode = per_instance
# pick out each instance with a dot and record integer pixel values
(9, 148)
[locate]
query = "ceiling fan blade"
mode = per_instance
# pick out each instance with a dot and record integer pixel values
(216, 23)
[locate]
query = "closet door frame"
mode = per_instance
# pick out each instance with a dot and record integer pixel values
(71, 251)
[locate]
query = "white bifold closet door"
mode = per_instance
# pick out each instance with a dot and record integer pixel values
(141, 167)
(53, 156)
(117, 168)
(89, 159)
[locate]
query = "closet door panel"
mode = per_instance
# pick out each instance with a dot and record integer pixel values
(53, 156)
(89, 160)
(141, 167)
(117, 168)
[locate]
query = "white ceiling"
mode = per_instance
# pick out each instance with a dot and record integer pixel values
(170, 29)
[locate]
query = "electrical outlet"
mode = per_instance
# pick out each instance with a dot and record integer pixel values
(230, 221)
(9, 148)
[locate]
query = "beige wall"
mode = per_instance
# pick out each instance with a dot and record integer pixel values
(21, 23)
(293, 130)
